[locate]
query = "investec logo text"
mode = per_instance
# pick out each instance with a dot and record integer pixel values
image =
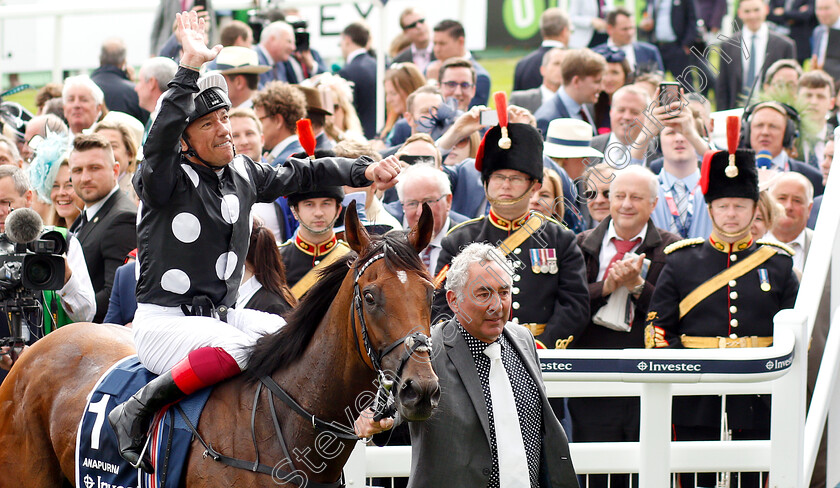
(778, 363)
(652, 367)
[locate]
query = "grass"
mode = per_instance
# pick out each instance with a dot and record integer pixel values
(25, 98)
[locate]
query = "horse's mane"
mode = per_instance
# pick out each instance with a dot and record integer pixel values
(284, 347)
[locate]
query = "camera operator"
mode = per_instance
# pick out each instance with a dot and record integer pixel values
(76, 299)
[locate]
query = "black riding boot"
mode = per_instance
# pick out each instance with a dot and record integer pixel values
(131, 420)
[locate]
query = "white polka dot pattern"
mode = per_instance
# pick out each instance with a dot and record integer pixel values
(186, 227)
(175, 281)
(226, 265)
(191, 174)
(230, 208)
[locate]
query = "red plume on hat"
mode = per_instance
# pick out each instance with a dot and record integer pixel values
(500, 98)
(306, 137)
(733, 134)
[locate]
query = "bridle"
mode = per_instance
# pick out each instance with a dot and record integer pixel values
(384, 405)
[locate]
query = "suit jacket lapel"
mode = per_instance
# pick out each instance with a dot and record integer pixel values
(106, 207)
(459, 354)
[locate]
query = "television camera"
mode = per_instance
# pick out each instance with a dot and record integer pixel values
(31, 260)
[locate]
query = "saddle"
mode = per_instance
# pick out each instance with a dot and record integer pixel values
(98, 462)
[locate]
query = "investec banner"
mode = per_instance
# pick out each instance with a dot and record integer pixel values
(515, 23)
(646, 366)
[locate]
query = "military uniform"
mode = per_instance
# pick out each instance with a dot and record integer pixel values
(549, 291)
(701, 301)
(300, 256)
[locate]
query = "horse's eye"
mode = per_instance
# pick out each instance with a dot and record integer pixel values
(369, 298)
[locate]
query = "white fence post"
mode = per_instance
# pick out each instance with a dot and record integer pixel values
(655, 435)
(787, 455)
(356, 467)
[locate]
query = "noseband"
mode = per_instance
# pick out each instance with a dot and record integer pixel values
(385, 405)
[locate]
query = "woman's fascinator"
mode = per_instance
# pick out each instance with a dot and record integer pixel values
(50, 151)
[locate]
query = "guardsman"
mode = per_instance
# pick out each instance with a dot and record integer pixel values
(315, 244)
(549, 292)
(722, 292)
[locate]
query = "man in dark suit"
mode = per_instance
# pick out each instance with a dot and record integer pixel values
(672, 26)
(277, 43)
(582, 71)
(768, 128)
(621, 31)
(360, 68)
(633, 196)
(450, 42)
(494, 425)
(415, 29)
(796, 20)
(824, 54)
(111, 77)
(551, 73)
(751, 50)
(105, 228)
(555, 31)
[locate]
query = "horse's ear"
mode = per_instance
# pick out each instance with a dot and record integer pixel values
(354, 231)
(421, 234)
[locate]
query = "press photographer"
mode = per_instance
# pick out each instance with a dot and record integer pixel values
(70, 299)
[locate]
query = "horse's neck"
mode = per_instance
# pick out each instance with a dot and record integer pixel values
(329, 381)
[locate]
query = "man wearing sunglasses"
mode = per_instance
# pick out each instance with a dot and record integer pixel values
(415, 29)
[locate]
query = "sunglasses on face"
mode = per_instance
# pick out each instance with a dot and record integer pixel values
(414, 24)
(592, 194)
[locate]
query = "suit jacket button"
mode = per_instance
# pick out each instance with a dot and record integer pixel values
(485, 471)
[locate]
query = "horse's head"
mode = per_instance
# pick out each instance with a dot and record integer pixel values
(392, 311)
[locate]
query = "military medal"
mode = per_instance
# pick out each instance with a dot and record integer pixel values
(543, 260)
(536, 261)
(552, 262)
(764, 278)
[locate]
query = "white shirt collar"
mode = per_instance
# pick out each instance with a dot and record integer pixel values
(352, 55)
(265, 53)
(552, 43)
(282, 145)
(91, 210)
(611, 234)
(443, 231)
(246, 291)
(762, 31)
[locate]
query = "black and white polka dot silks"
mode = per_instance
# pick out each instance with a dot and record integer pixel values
(527, 398)
(194, 222)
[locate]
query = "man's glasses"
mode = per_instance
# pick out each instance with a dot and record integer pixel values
(414, 24)
(592, 194)
(516, 179)
(413, 204)
(452, 85)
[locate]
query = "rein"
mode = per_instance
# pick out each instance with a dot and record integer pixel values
(385, 404)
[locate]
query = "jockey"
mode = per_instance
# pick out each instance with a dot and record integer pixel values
(193, 229)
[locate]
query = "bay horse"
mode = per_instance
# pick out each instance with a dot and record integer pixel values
(363, 306)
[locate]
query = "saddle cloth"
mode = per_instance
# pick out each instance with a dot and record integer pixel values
(98, 462)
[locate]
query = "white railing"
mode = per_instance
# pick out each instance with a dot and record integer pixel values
(825, 249)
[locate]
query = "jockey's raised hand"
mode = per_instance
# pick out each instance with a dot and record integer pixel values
(191, 29)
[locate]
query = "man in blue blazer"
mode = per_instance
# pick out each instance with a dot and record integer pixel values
(621, 31)
(555, 31)
(360, 68)
(277, 43)
(582, 71)
(279, 106)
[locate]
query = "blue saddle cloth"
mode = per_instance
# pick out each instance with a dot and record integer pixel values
(98, 462)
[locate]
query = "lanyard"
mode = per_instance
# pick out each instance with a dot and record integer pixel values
(681, 228)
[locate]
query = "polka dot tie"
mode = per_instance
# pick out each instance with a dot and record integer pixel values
(513, 462)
